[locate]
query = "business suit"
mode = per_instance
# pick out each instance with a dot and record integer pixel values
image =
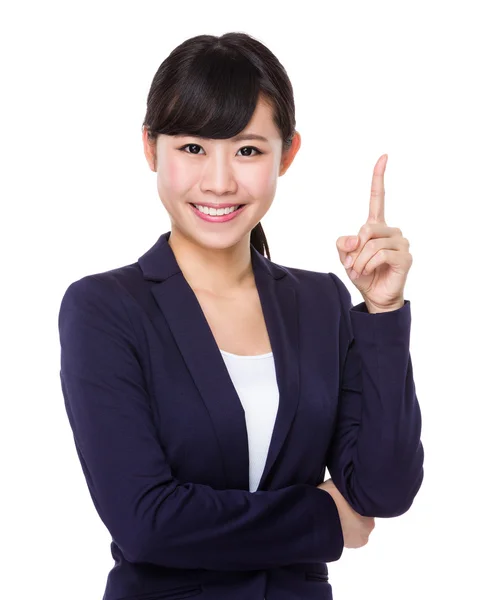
(161, 436)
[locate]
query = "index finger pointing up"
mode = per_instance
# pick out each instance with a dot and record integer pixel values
(377, 200)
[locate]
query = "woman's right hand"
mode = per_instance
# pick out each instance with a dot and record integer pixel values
(355, 527)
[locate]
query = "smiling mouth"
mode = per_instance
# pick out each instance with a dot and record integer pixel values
(238, 206)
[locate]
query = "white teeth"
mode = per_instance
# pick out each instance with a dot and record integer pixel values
(215, 211)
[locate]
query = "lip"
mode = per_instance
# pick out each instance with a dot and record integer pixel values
(221, 218)
(220, 205)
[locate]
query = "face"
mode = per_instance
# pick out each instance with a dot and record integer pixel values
(235, 171)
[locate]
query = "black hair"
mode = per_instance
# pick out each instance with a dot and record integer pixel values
(209, 87)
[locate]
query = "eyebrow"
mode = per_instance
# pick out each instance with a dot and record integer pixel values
(249, 136)
(237, 138)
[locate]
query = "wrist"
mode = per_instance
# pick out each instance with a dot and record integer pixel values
(373, 309)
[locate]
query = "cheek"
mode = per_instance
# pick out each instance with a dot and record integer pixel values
(261, 181)
(174, 177)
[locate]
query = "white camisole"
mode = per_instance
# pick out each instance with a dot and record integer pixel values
(254, 378)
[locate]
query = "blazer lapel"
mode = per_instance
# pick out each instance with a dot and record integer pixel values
(186, 320)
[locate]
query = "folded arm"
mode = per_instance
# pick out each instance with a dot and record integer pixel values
(151, 516)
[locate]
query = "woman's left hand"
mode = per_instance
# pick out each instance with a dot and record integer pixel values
(379, 260)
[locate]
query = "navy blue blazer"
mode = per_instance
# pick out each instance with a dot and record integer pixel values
(161, 436)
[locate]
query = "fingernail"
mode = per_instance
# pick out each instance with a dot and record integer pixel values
(348, 261)
(352, 241)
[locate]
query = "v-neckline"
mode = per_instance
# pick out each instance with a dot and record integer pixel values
(205, 362)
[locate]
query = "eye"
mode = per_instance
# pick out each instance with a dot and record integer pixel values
(251, 148)
(190, 146)
(183, 148)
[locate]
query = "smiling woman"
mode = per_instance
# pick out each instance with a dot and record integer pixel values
(208, 387)
(208, 97)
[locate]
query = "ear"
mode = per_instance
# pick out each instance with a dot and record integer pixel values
(288, 156)
(150, 149)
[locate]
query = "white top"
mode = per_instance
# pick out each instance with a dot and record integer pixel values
(254, 378)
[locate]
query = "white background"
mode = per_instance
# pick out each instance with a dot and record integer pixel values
(414, 80)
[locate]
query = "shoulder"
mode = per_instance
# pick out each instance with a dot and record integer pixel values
(323, 281)
(109, 287)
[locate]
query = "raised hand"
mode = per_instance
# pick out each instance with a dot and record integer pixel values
(379, 260)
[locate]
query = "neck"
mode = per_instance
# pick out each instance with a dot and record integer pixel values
(216, 270)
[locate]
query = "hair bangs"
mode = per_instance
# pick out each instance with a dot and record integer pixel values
(216, 97)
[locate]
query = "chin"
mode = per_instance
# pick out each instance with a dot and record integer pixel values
(218, 240)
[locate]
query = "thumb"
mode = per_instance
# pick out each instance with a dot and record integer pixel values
(345, 245)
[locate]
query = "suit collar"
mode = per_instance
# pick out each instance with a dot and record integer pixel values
(193, 336)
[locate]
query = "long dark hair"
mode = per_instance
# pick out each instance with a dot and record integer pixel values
(209, 86)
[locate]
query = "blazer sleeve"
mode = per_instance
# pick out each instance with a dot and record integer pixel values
(150, 515)
(376, 455)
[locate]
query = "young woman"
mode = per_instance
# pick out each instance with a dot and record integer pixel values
(208, 388)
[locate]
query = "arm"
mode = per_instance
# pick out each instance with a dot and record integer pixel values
(376, 455)
(150, 515)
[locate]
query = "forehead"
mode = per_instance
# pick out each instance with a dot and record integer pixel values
(262, 119)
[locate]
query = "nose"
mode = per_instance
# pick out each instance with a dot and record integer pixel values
(218, 176)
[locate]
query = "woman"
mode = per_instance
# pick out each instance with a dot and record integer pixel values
(208, 388)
